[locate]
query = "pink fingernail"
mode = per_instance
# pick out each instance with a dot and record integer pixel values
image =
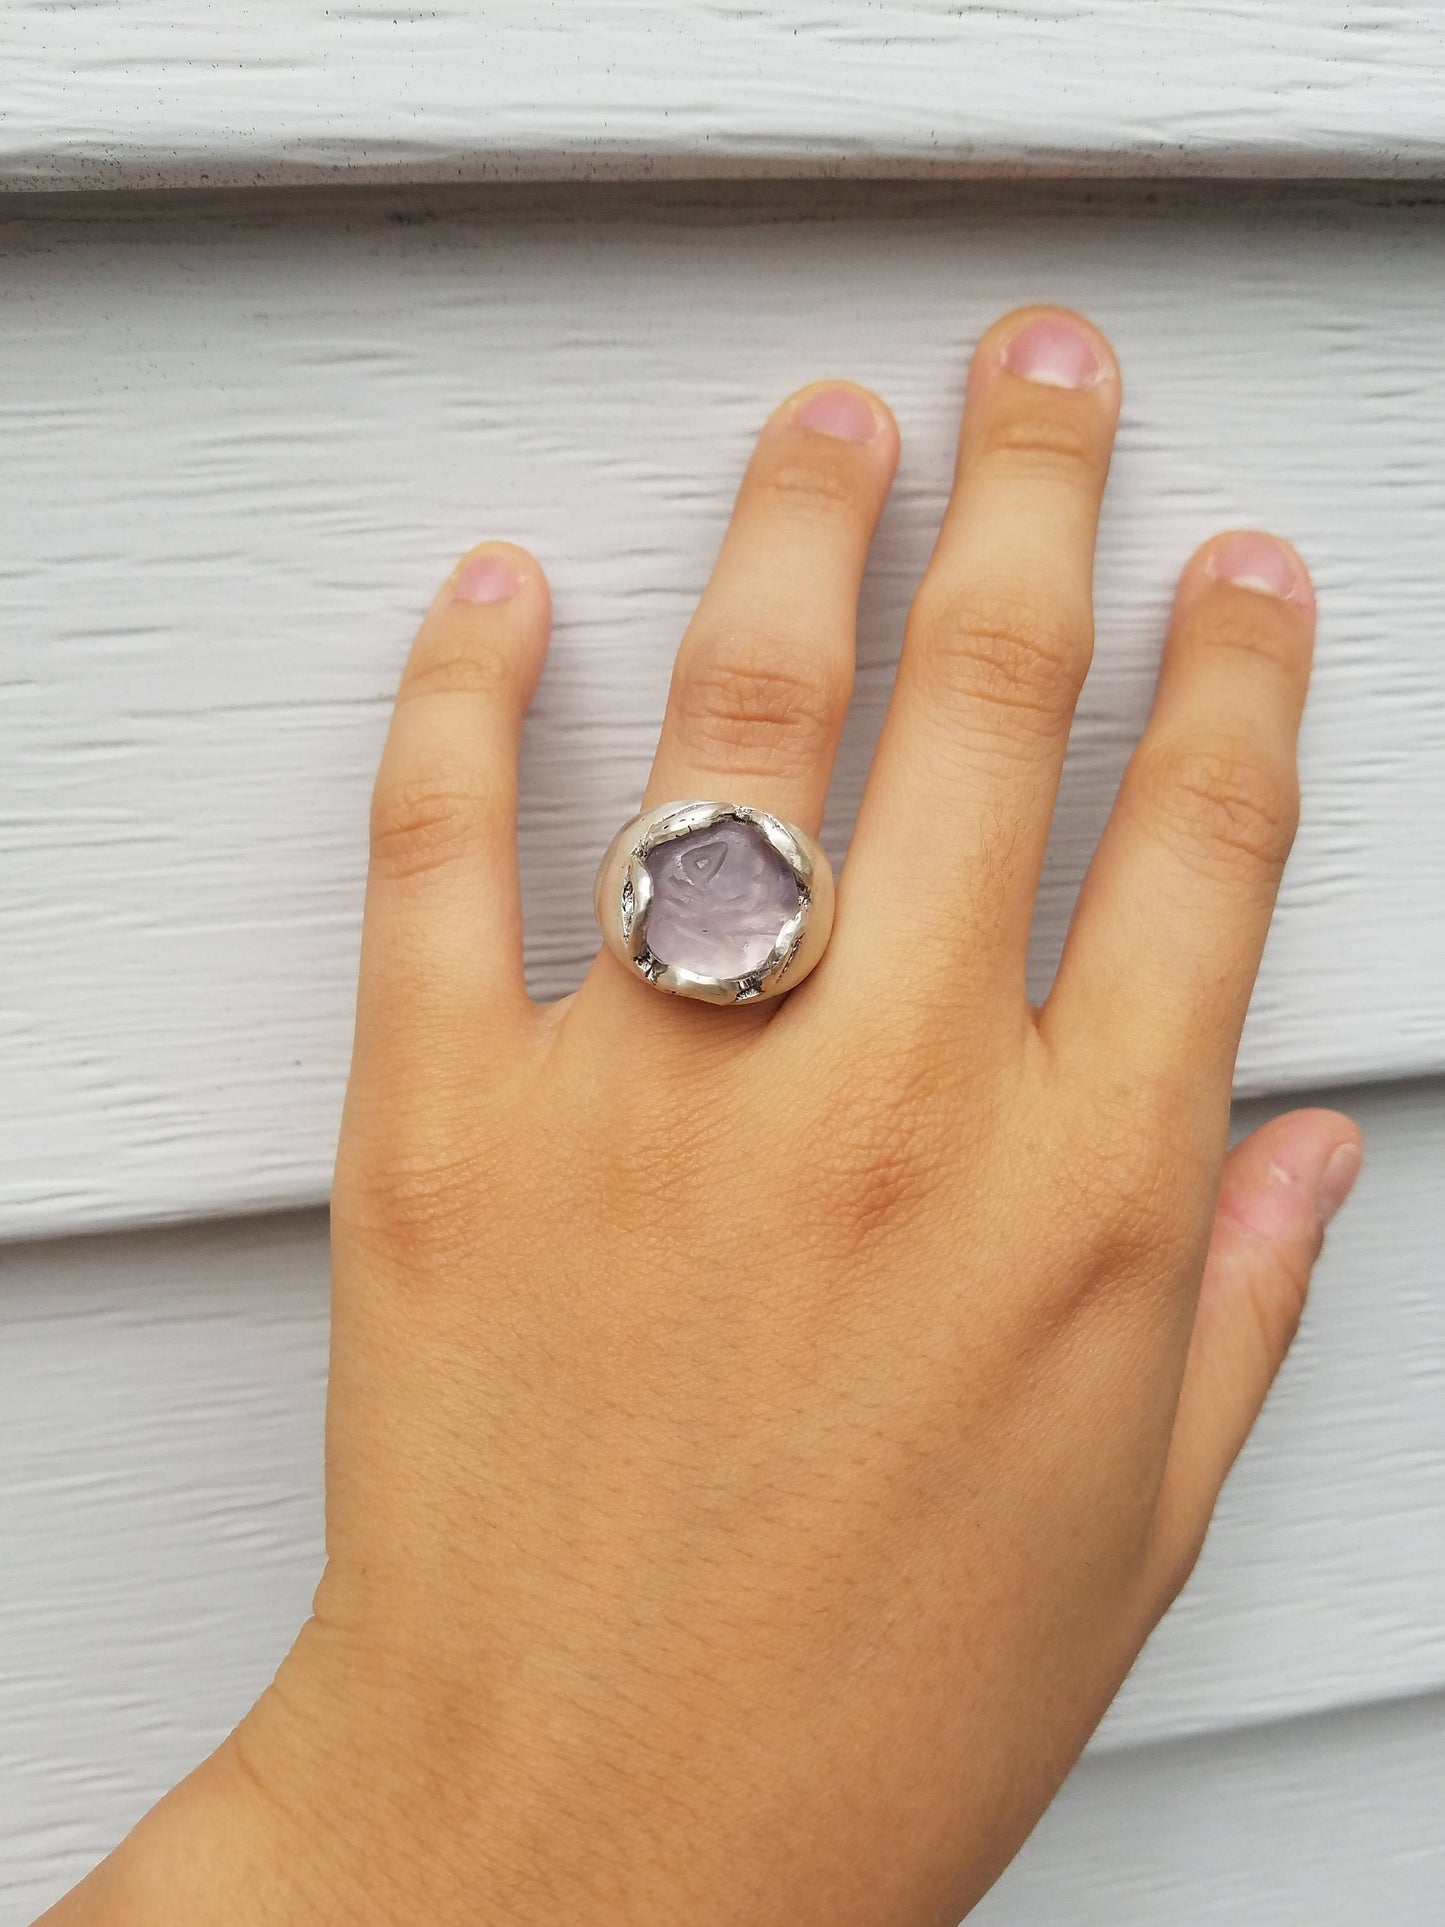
(1053, 351)
(1258, 562)
(1337, 1180)
(486, 578)
(838, 411)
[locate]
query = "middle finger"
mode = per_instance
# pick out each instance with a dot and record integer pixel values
(951, 834)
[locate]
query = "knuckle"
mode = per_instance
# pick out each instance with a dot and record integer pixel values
(413, 1204)
(811, 482)
(445, 669)
(742, 700)
(419, 824)
(1133, 1184)
(1264, 633)
(1044, 441)
(880, 1158)
(1019, 653)
(1122, 1231)
(1220, 805)
(1139, 1216)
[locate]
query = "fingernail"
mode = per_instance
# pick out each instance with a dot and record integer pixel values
(1337, 1180)
(486, 578)
(1259, 562)
(1302, 1186)
(838, 411)
(1055, 352)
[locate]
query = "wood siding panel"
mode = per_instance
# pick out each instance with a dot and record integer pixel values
(160, 93)
(1334, 1821)
(247, 440)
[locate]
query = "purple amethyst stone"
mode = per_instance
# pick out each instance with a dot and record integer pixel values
(720, 898)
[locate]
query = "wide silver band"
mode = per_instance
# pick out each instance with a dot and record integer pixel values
(623, 897)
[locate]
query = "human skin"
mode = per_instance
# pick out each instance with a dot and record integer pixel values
(760, 1440)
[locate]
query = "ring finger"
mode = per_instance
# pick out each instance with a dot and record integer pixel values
(765, 669)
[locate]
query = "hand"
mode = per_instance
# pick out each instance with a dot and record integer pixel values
(760, 1441)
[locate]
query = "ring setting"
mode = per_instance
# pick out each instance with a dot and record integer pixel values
(717, 901)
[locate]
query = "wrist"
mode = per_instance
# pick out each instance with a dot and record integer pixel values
(349, 1791)
(212, 1853)
(255, 1836)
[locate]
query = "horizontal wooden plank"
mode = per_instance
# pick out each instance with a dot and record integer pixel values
(247, 441)
(1334, 1821)
(160, 1433)
(159, 94)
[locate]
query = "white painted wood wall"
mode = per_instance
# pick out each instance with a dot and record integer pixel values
(297, 301)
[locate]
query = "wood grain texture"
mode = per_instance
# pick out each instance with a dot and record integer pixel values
(160, 1512)
(154, 93)
(243, 443)
(1334, 1821)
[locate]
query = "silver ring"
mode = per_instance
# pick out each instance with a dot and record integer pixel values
(717, 901)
